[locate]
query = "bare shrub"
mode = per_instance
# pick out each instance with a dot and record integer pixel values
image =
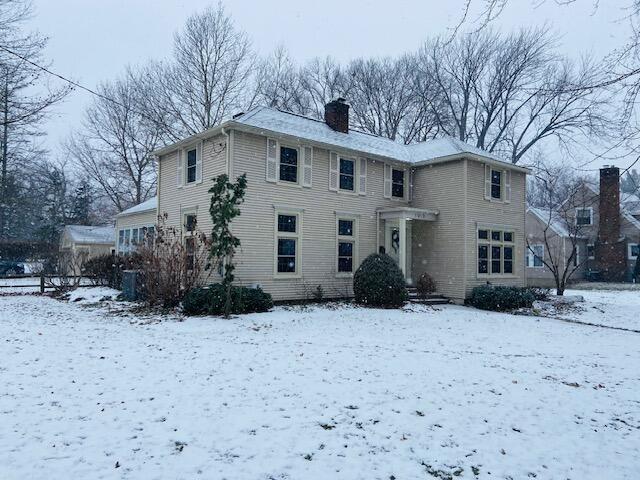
(172, 263)
(426, 285)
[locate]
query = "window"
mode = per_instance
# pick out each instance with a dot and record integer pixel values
(190, 250)
(121, 241)
(347, 174)
(346, 245)
(633, 250)
(495, 252)
(591, 251)
(496, 184)
(289, 164)
(190, 222)
(535, 255)
(287, 243)
(397, 183)
(192, 161)
(576, 257)
(130, 238)
(135, 236)
(584, 216)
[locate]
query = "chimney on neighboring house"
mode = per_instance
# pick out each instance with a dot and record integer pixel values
(610, 247)
(336, 115)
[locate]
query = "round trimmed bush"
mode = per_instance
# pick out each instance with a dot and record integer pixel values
(379, 282)
(426, 284)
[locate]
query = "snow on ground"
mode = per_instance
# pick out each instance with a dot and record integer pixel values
(607, 307)
(314, 393)
(19, 285)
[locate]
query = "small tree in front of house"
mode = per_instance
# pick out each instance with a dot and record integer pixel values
(226, 197)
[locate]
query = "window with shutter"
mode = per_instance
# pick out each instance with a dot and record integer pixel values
(487, 182)
(387, 181)
(333, 171)
(362, 185)
(179, 170)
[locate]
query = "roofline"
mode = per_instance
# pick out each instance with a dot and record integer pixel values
(232, 124)
(126, 214)
(548, 223)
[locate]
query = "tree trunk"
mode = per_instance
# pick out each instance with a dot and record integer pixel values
(5, 150)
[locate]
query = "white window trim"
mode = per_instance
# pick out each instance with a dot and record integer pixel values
(531, 256)
(356, 174)
(297, 236)
(129, 248)
(629, 251)
(501, 243)
(345, 238)
(405, 185)
(183, 220)
(300, 166)
(590, 216)
(185, 163)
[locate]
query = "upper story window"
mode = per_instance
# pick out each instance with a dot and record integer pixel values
(289, 164)
(397, 183)
(192, 165)
(496, 184)
(584, 216)
(535, 255)
(634, 251)
(347, 174)
(495, 252)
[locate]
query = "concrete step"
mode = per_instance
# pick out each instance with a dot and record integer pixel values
(430, 301)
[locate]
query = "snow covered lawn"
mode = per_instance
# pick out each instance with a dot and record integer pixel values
(317, 393)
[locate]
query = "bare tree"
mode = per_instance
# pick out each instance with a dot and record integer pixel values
(205, 81)
(114, 146)
(559, 196)
(278, 83)
(26, 96)
(507, 93)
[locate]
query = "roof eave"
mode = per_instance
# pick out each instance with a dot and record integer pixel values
(193, 138)
(472, 156)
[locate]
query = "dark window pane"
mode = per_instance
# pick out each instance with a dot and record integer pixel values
(495, 266)
(508, 266)
(397, 183)
(497, 236)
(635, 250)
(508, 253)
(191, 174)
(191, 165)
(346, 182)
(190, 222)
(483, 234)
(345, 264)
(346, 166)
(590, 251)
(345, 228)
(286, 264)
(496, 176)
(288, 164)
(483, 252)
(483, 266)
(190, 247)
(286, 246)
(345, 249)
(397, 190)
(508, 236)
(495, 253)
(397, 176)
(287, 223)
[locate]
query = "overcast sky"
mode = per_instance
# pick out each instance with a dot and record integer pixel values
(93, 40)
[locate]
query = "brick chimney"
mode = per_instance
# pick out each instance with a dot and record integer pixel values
(336, 115)
(610, 247)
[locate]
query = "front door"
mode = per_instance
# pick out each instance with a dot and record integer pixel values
(392, 239)
(394, 243)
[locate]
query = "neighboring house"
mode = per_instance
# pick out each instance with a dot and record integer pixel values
(81, 242)
(321, 197)
(608, 234)
(135, 224)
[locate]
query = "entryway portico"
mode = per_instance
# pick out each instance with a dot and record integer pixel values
(395, 224)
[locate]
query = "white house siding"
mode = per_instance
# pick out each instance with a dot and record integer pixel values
(480, 211)
(256, 225)
(438, 247)
(134, 220)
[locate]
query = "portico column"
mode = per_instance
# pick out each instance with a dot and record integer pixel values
(402, 258)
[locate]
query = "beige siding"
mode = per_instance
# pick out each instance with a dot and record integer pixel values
(256, 226)
(485, 212)
(135, 220)
(438, 247)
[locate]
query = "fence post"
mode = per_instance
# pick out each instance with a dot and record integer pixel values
(42, 283)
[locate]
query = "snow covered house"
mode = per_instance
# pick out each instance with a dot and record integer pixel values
(321, 197)
(135, 224)
(605, 228)
(80, 242)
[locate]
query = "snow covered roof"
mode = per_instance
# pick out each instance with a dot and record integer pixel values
(551, 218)
(146, 206)
(272, 121)
(90, 234)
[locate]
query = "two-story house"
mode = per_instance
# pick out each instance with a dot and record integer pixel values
(321, 197)
(602, 222)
